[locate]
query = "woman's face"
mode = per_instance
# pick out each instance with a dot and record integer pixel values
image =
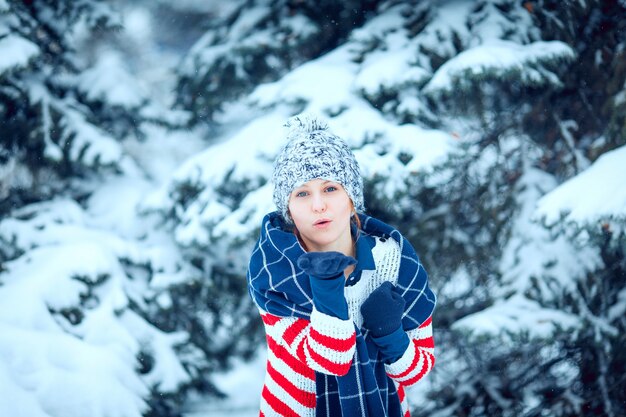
(321, 211)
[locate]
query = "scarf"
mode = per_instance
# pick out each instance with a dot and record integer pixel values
(277, 286)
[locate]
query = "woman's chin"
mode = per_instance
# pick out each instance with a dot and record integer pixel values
(320, 243)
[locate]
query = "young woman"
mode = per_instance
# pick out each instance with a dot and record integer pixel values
(343, 297)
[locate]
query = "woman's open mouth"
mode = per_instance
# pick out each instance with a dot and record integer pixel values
(321, 223)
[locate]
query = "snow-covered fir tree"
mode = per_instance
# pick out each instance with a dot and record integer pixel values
(490, 132)
(46, 128)
(252, 42)
(463, 115)
(87, 284)
(546, 289)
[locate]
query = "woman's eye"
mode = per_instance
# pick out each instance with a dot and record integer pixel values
(301, 194)
(331, 188)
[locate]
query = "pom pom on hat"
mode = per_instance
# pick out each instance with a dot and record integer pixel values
(313, 152)
(303, 124)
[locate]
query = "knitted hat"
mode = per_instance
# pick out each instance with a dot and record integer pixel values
(313, 152)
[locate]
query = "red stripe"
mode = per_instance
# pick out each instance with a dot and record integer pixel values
(339, 369)
(305, 398)
(277, 405)
(300, 351)
(270, 319)
(411, 366)
(261, 414)
(407, 414)
(294, 330)
(423, 371)
(427, 342)
(338, 345)
(293, 363)
(427, 322)
(401, 393)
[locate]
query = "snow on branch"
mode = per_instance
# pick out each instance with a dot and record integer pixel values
(16, 52)
(84, 142)
(109, 81)
(67, 321)
(218, 185)
(514, 318)
(389, 71)
(530, 65)
(89, 144)
(596, 194)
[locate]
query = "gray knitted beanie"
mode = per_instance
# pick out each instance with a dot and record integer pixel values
(313, 152)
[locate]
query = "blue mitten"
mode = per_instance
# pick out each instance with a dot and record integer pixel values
(325, 270)
(382, 316)
(382, 311)
(325, 265)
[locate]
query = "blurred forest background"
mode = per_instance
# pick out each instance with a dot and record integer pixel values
(136, 144)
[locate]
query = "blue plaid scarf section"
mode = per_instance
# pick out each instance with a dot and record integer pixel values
(279, 287)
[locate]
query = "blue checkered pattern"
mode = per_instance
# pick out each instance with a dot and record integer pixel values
(279, 287)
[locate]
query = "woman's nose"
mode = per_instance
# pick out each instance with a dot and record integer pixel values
(318, 204)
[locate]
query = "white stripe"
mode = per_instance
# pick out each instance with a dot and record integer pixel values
(404, 362)
(404, 404)
(415, 371)
(327, 397)
(318, 367)
(421, 333)
(292, 277)
(293, 348)
(331, 354)
(424, 359)
(331, 326)
(269, 411)
(277, 332)
(279, 328)
(357, 370)
(282, 395)
(266, 409)
(292, 376)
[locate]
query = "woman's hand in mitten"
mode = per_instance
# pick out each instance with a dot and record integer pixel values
(327, 281)
(382, 310)
(325, 265)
